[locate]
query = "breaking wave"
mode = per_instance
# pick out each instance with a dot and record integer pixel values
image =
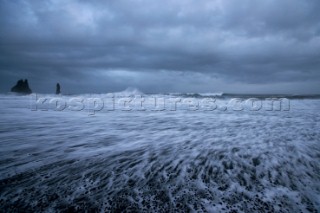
(130, 91)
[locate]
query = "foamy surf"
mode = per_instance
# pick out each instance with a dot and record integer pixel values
(164, 161)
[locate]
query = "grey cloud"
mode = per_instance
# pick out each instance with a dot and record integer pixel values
(190, 45)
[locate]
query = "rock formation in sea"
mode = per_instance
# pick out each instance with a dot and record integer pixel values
(22, 87)
(58, 89)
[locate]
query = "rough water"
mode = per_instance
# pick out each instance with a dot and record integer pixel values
(159, 161)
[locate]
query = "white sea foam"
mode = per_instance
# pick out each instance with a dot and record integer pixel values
(204, 161)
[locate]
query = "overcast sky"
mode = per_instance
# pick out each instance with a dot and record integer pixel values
(240, 46)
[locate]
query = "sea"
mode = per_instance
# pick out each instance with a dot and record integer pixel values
(177, 152)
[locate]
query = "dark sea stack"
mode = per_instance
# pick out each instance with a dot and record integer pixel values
(58, 89)
(22, 87)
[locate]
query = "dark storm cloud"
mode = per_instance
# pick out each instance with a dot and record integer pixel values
(230, 45)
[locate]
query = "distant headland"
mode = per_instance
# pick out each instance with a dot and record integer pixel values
(22, 87)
